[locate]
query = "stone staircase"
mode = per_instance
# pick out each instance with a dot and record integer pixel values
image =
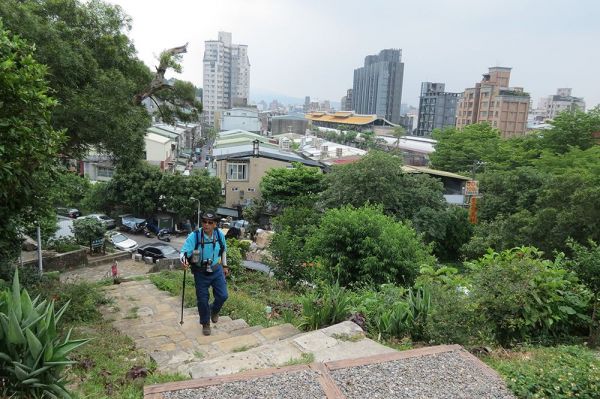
(151, 318)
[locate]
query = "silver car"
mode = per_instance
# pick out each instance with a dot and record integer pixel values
(102, 218)
(122, 242)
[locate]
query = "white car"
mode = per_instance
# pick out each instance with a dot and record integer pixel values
(122, 242)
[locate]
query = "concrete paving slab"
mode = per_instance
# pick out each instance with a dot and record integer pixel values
(314, 341)
(351, 350)
(235, 344)
(230, 364)
(279, 332)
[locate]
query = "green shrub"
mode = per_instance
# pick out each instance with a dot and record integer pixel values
(84, 298)
(327, 305)
(32, 354)
(88, 229)
(448, 229)
(525, 297)
(288, 245)
(242, 245)
(586, 263)
(63, 244)
(234, 260)
(553, 373)
(453, 318)
(362, 245)
(392, 311)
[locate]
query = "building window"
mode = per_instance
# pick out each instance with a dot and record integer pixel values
(237, 171)
(105, 172)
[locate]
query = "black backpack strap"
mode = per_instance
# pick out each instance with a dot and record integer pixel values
(197, 239)
(221, 245)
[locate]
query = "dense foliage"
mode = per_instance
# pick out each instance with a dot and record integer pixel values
(540, 189)
(585, 262)
(93, 71)
(289, 186)
(364, 245)
(378, 179)
(143, 190)
(459, 150)
(86, 230)
(28, 143)
(288, 245)
(553, 373)
(524, 297)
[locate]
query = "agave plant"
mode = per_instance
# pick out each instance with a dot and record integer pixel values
(32, 354)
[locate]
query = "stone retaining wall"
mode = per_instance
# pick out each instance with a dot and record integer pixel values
(58, 262)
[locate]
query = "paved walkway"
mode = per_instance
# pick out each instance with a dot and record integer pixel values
(126, 268)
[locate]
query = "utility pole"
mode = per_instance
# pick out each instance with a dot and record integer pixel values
(39, 248)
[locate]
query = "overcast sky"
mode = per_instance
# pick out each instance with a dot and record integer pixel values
(311, 47)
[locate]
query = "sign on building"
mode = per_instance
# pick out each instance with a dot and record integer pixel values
(472, 187)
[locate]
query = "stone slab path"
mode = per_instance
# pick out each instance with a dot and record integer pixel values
(152, 318)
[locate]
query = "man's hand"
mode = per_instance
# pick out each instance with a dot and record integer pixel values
(225, 271)
(184, 261)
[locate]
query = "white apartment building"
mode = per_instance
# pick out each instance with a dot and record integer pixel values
(551, 106)
(238, 119)
(226, 77)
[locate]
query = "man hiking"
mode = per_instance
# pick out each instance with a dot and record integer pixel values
(204, 251)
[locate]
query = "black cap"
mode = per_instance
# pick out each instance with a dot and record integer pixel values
(209, 216)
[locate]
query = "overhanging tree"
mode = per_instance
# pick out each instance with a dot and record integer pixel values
(28, 143)
(95, 75)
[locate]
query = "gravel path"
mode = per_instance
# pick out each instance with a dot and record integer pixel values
(292, 385)
(441, 376)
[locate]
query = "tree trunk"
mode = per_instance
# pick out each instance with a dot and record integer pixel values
(158, 82)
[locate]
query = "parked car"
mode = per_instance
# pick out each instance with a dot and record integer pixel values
(102, 218)
(122, 242)
(73, 213)
(158, 250)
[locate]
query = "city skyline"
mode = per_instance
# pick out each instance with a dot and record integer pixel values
(309, 48)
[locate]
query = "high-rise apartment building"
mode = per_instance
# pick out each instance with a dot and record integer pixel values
(377, 88)
(346, 102)
(562, 101)
(226, 75)
(493, 101)
(437, 108)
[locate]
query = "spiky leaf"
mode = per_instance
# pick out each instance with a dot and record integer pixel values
(26, 304)
(35, 346)
(62, 350)
(14, 333)
(16, 295)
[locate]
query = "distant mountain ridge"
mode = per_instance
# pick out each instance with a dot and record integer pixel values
(257, 95)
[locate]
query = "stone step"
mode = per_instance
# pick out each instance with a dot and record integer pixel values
(279, 332)
(231, 337)
(342, 341)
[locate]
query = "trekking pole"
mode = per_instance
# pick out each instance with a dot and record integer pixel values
(182, 295)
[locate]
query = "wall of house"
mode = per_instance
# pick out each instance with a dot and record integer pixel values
(157, 152)
(236, 192)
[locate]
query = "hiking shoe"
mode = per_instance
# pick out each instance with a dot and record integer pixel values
(214, 317)
(206, 329)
